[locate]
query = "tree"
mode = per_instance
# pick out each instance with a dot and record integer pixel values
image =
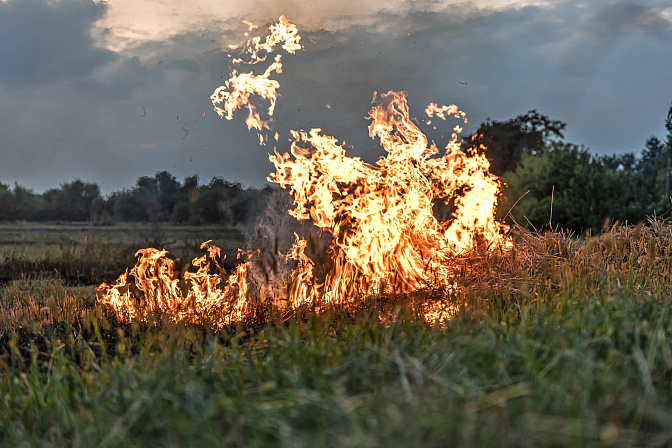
(168, 194)
(505, 142)
(668, 148)
(6, 203)
(26, 203)
(648, 178)
(158, 198)
(566, 181)
(184, 210)
(127, 208)
(625, 162)
(71, 202)
(668, 126)
(214, 201)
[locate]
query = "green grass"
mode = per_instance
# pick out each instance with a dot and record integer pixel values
(557, 344)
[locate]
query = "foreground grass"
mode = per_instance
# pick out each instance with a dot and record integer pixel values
(557, 345)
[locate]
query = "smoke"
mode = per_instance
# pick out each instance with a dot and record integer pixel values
(276, 229)
(273, 236)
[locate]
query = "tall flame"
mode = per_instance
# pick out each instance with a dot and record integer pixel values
(381, 216)
(384, 233)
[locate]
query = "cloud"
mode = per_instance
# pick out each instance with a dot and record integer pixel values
(42, 41)
(130, 23)
(616, 19)
(145, 107)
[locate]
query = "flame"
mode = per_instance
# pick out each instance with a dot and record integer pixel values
(193, 297)
(240, 87)
(380, 217)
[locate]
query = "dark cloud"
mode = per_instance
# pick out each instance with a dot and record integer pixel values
(119, 80)
(606, 28)
(41, 41)
(616, 19)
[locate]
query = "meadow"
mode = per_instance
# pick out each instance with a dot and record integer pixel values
(559, 342)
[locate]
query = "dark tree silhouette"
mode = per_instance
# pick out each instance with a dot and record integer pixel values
(507, 141)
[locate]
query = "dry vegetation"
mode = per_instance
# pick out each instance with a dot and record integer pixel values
(561, 341)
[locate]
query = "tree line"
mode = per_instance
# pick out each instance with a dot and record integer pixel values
(546, 181)
(549, 181)
(161, 198)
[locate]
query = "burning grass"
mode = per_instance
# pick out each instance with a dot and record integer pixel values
(384, 236)
(559, 342)
(415, 331)
(532, 273)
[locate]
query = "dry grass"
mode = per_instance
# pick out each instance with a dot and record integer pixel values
(533, 272)
(561, 342)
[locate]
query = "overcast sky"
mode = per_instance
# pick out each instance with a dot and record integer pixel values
(108, 92)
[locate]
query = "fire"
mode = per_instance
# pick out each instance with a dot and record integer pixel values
(385, 236)
(194, 297)
(237, 90)
(384, 231)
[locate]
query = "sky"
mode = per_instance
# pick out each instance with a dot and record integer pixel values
(107, 92)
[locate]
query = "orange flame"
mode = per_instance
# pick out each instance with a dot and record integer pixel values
(237, 90)
(194, 298)
(381, 216)
(385, 235)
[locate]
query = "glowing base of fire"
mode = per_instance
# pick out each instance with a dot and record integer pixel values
(155, 290)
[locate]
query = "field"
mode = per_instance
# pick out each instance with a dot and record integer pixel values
(558, 342)
(82, 254)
